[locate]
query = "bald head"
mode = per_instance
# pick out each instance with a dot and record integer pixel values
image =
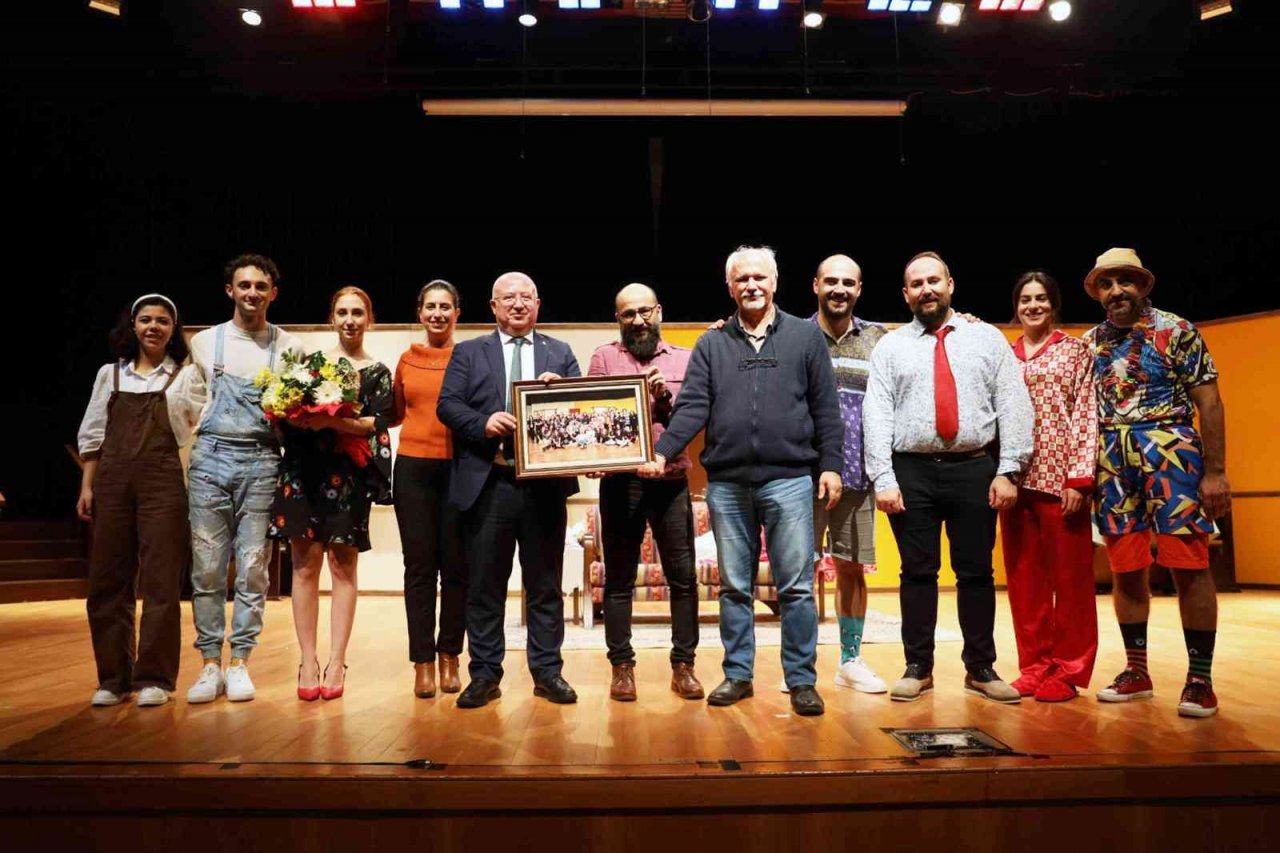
(635, 292)
(509, 279)
(838, 284)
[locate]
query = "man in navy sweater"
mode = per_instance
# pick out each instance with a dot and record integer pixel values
(764, 389)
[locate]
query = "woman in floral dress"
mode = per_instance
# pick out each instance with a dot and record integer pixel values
(322, 502)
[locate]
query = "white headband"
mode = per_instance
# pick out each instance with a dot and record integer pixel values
(167, 301)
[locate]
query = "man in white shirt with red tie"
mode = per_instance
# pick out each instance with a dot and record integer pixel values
(941, 389)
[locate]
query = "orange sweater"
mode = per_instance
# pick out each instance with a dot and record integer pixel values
(419, 375)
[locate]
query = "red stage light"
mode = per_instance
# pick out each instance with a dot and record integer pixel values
(1010, 5)
(323, 4)
(988, 5)
(1032, 5)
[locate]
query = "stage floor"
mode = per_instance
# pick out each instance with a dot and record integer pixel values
(1147, 778)
(49, 675)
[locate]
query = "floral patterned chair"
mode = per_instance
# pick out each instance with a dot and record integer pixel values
(651, 584)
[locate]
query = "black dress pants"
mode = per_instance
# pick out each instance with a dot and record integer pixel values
(532, 514)
(942, 490)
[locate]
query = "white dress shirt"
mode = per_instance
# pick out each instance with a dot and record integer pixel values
(184, 398)
(526, 356)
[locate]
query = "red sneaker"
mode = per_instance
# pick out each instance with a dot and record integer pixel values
(1128, 685)
(1055, 690)
(1198, 699)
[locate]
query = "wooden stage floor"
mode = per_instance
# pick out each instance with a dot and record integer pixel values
(380, 752)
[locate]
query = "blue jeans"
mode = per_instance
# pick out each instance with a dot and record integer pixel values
(785, 509)
(231, 487)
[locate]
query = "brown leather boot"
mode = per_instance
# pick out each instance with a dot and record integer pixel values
(424, 680)
(449, 681)
(623, 687)
(684, 683)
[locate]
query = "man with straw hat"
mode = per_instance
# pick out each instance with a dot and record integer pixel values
(1156, 473)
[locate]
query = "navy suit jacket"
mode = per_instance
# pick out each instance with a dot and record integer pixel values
(474, 388)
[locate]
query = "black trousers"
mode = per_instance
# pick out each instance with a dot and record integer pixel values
(431, 539)
(627, 503)
(532, 514)
(953, 492)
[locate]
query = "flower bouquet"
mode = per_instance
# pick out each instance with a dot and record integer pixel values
(314, 385)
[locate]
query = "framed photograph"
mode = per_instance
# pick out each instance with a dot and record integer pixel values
(576, 426)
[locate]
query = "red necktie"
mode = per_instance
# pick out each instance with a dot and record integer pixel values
(945, 408)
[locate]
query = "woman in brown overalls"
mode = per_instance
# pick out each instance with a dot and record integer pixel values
(141, 412)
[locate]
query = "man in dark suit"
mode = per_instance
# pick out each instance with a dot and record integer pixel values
(497, 510)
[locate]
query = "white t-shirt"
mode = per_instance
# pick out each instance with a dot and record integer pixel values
(182, 412)
(244, 353)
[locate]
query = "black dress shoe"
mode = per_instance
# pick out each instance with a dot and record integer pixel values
(479, 692)
(553, 688)
(730, 691)
(806, 702)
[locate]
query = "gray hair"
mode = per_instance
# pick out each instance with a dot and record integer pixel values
(741, 251)
(512, 276)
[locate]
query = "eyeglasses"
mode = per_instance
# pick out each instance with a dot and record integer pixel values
(512, 298)
(643, 313)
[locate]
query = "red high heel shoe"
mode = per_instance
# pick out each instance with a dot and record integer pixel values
(308, 694)
(334, 692)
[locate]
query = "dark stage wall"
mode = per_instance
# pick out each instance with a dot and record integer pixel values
(151, 183)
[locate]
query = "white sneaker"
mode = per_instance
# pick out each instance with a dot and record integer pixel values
(783, 688)
(857, 674)
(239, 684)
(150, 696)
(209, 686)
(103, 698)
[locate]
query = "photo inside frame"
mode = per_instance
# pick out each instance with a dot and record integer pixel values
(584, 426)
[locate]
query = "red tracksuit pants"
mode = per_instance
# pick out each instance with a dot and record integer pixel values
(1048, 558)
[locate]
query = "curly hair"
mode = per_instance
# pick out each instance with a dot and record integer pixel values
(123, 340)
(262, 262)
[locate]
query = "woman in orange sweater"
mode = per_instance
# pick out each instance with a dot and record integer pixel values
(428, 525)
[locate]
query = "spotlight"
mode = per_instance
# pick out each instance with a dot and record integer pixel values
(768, 5)
(814, 17)
(111, 7)
(493, 4)
(569, 4)
(724, 4)
(589, 4)
(323, 4)
(1208, 8)
(917, 6)
(527, 19)
(450, 4)
(1031, 5)
(1060, 10)
(949, 14)
(251, 17)
(877, 5)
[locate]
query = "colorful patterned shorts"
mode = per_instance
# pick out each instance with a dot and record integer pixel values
(1149, 477)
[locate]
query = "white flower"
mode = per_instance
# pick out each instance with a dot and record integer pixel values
(302, 376)
(271, 397)
(328, 392)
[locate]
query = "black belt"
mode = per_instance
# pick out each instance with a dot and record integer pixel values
(956, 456)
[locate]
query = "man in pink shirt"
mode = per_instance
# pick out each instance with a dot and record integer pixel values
(628, 502)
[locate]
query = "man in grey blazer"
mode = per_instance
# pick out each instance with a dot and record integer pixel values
(499, 511)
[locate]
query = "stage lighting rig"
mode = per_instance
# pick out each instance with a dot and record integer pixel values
(949, 14)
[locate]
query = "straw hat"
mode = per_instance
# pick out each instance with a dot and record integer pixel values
(1118, 259)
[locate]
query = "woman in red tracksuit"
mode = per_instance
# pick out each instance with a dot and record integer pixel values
(1047, 537)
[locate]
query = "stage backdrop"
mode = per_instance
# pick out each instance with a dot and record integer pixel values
(1245, 349)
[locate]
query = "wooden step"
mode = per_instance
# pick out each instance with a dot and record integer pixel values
(57, 589)
(60, 568)
(58, 528)
(39, 549)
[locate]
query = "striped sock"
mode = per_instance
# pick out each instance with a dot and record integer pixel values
(1135, 645)
(1200, 652)
(851, 637)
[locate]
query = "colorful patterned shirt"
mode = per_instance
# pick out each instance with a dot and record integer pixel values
(1059, 378)
(851, 359)
(1145, 374)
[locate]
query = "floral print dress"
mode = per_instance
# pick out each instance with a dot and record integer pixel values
(322, 493)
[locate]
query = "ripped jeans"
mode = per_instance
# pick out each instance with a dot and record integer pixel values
(231, 487)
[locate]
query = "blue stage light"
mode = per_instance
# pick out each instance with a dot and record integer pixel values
(768, 5)
(725, 4)
(493, 4)
(877, 5)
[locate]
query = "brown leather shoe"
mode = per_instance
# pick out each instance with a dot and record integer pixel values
(424, 680)
(449, 681)
(623, 687)
(684, 683)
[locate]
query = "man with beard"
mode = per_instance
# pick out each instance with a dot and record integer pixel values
(851, 524)
(940, 390)
(627, 502)
(764, 390)
(1155, 472)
